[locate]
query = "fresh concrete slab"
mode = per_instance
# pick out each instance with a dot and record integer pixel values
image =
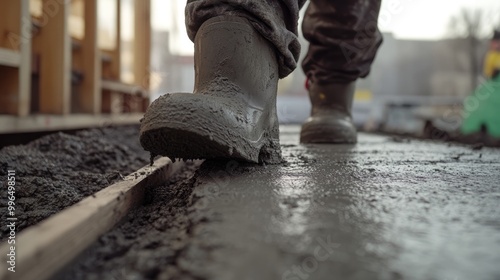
(386, 208)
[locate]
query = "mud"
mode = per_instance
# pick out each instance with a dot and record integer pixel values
(382, 209)
(60, 169)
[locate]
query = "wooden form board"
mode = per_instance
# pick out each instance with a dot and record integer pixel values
(10, 58)
(37, 122)
(47, 247)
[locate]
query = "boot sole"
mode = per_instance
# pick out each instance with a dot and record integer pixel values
(331, 135)
(180, 143)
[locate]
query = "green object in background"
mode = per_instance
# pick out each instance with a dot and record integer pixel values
(482, 108)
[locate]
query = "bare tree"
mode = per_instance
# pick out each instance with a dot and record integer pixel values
(469, 25)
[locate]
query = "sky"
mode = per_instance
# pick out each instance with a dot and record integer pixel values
(406, 19)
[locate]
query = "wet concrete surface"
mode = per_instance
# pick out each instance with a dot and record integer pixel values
(386, 208)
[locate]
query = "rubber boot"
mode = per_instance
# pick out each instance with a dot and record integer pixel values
(331, 116)
(232, 113)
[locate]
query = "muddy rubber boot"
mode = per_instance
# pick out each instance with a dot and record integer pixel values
(331, 119)
(232, 113)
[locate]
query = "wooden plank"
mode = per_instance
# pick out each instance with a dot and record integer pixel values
(45, 248)
(117, 55)
(90, 95)
(10, 58)
(24, 98)
(33, 123)
(55, 61)
(142, 42)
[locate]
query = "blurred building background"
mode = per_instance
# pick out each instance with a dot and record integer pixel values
(432, 56)
(85, 61)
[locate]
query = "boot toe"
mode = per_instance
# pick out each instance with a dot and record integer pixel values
(188, 126)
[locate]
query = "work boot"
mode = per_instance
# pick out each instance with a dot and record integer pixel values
(232, 113)
(331, 119)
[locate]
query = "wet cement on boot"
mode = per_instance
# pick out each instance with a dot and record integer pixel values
(60, 169)
(382, 209)
(232, 113)
(192, 127)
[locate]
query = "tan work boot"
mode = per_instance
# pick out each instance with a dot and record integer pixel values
(331, 119)
(232, 113)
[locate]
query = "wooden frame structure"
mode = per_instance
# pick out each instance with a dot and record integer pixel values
(46, 74)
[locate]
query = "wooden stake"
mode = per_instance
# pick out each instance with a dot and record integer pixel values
(142, 42)
(90, 95)
(55, 67)
(25, 63)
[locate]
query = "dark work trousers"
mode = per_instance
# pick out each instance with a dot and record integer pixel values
(343, 34)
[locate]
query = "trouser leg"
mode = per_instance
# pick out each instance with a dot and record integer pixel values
(343, 37)
(275, 20)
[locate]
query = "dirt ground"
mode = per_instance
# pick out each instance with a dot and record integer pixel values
(60, 169)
